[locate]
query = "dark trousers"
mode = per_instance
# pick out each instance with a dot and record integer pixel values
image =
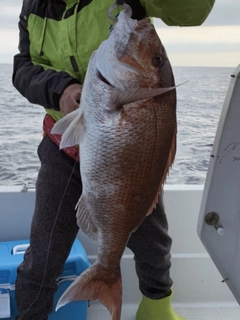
(54, 230)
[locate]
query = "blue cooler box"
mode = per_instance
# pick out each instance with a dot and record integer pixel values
(11, 255)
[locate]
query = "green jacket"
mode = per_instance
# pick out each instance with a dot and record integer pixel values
(58, 37)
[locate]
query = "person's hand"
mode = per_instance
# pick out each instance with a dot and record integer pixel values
(70, 98)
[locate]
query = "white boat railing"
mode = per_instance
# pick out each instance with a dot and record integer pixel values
(196, 279)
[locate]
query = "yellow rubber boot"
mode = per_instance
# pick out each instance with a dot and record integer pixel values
(157, 309)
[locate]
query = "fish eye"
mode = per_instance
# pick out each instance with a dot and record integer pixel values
(158, 60)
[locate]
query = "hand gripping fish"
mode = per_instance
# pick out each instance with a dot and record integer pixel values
(126, 131)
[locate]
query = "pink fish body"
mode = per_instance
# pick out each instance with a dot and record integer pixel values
(126, 131)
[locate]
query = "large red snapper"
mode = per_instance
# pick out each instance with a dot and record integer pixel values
(126, 130)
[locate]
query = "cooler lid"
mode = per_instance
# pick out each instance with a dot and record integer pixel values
(219, 217)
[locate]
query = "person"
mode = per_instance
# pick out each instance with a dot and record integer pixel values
(57, 38)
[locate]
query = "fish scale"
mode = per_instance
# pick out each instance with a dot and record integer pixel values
(126, 131)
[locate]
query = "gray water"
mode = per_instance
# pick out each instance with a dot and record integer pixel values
(200, 101)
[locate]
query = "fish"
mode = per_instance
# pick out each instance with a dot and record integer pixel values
(126, 131)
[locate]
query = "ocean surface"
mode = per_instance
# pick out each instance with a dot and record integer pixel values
(199, 106)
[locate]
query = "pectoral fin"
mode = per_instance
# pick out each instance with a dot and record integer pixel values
(120, 98)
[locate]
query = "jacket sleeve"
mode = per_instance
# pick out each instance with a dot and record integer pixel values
(179, 12)
(39, 86)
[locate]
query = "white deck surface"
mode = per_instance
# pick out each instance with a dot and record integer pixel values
(198, 290)
(97, 312)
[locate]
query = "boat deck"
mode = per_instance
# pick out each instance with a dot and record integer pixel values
(199, 292)
(98, 312)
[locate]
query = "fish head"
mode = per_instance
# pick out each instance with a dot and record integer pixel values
(133, 56)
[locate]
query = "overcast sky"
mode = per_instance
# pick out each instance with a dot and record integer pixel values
(215, 43)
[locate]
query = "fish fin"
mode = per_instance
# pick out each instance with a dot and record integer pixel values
(71, 127)
(99, 283)
(84, 220)
(169, 163)
(120, 98)
(61, 125)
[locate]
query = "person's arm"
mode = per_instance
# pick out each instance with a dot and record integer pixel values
(35, 81)
(179, 12)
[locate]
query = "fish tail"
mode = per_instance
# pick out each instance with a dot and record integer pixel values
(97, 283)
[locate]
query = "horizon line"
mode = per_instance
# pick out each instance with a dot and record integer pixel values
(179, 66)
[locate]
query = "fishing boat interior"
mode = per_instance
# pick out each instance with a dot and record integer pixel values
(204, 223)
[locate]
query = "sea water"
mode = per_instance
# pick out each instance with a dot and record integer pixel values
(199, 105)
